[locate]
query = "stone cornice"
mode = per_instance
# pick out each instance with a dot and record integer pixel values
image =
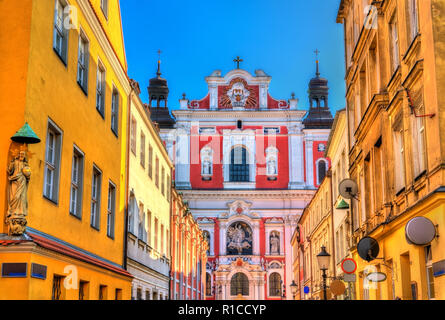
(248, 194)
(286, 115)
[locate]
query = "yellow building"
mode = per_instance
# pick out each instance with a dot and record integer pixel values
(149, 204)
(316, 229)
(63, 71)
(394, 76)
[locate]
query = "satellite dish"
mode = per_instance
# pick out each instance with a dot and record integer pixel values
(368, 248)
(348, 189)
(376, 277)
(420, 231)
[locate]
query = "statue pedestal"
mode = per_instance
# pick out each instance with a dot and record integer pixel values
(17, 225)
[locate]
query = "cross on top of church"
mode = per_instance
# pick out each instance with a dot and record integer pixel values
(238, 60)
(316, 55)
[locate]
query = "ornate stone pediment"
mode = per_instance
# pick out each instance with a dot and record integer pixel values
(239, 207)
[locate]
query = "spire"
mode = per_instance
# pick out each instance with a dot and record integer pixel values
(317, 73)
(158, 73)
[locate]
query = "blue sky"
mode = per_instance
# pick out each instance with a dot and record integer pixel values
(199, 36)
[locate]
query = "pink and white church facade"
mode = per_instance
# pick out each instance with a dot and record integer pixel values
(247, 164)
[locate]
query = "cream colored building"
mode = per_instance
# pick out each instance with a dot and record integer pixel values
(149, 196)
(337, 150)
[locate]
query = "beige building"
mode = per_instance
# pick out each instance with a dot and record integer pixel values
(316, 226)
(394, 74)
(337, 150)
(149, 196)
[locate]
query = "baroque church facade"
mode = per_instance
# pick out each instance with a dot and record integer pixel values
(247, 164)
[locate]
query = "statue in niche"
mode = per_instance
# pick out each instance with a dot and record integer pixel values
(207, 167)
(274, 243)
(19, 174)
(239, 239)
(206, 235)
(271, 167)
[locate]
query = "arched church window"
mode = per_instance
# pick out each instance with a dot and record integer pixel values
(206, 163)
(206, 235)
(208, 284)
(271, 163)
(275, 285)
(239, 239)
(239, 167)
(322, 168)
(274, 241)
(239, 284)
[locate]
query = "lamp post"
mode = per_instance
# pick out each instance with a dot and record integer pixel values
(293, 288)
(323, 259)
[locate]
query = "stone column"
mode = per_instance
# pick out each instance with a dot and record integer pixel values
(309, 162)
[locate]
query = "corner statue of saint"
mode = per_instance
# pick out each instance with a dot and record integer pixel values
(19, 173)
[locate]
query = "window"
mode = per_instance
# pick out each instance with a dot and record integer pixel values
(52, 162)
(399, 154)
(156, 234)
(60, 44)
(239, 284)
(162, 239)
(418, 132)
(76, 183)
(239, 167)
(141, 226)
(133, 135)
(115, 112)
(100, 89)
(82, 63)
(111, 209)
(163, 181)
(394, 43)
(118, 294)
(104, 7)
(208, 285)
(131, 213)
(157, 173)
(102, 292)
(142, 152)
(95, 198)
(321, 170)
(57, 288)
(83, 290)
(168, 188)
(275, 285)
(378, 174)
(429, 272)
(149, 227)
(412, 22)
(150, 161)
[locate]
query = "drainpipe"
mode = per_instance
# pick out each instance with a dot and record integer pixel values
(127, 163)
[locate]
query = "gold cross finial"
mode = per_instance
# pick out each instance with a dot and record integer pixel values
(238, 60)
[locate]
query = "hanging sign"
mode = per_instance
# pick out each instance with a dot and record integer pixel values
(348, 266)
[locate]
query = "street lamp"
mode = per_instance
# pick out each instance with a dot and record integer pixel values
(293, 288)
(323, 259)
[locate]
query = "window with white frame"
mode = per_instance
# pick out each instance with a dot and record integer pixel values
(206, 163)
(82, 62)
(322, 168)
(418, 132)
(100, 89)
(133, 128)
(412, 19)
(131, 213)
(394, 43)
(163, 181)
(142, 151)
(272, 163)
(150, 161)
(115, 111)
(141, 221)
(60, 44)
(52, 162)
(111, 209)
(76, 183)
(95, 197)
